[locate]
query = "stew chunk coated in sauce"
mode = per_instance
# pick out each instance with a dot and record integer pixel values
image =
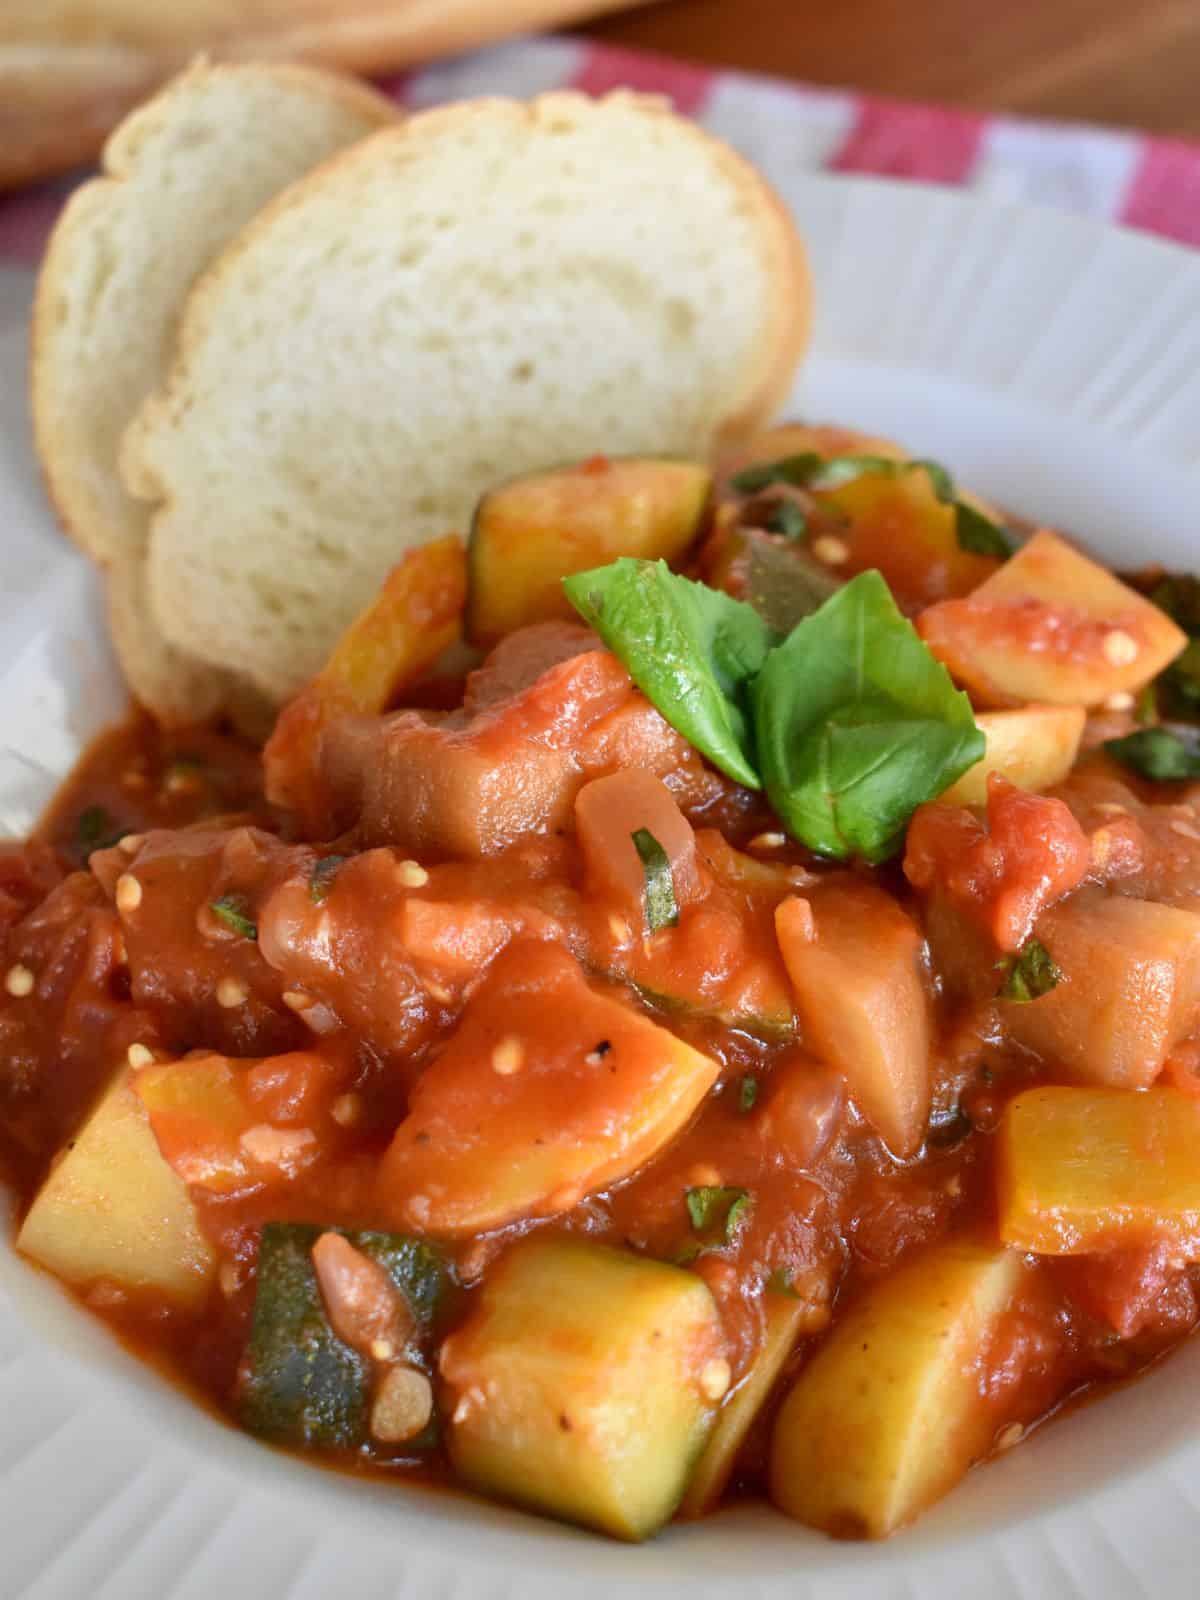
(744, 1038)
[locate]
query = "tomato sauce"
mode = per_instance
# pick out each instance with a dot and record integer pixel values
(832, 1209)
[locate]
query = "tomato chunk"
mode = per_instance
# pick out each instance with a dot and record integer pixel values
(1031, 853)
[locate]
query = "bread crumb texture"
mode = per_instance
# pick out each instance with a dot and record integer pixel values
(483, 290)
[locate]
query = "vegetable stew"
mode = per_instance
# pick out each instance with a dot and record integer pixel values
(743, 1037)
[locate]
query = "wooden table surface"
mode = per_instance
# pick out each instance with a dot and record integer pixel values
(1133, 63)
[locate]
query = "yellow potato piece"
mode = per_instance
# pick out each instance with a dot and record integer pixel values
(1083, 1170)
(1034, 747)
(888, 1414)
(113, 1209)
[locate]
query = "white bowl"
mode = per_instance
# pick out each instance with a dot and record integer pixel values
(1054, 364)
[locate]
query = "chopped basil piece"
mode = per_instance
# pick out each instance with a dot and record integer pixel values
(691, 650)
(1030, 975)
(718, 1208)
(231, 909)
(857, 724)
(96, 830)
(796, 470)
(748, 1092)
(662, 909)
(979, 534)
(1163, 754)
(788, 519)
(320, 879)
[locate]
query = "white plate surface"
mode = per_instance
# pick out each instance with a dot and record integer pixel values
(1055, 364)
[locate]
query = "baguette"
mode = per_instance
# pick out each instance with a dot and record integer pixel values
(71, 69)
(181, 177)
(484, 290)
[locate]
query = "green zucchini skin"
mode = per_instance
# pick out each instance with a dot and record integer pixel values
(300, 1384)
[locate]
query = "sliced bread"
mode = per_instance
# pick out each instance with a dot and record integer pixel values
(182, 175)
(483, 290)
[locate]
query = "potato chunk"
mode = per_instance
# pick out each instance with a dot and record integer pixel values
(584, 1383)
(889, 1414)
(1051, 626)
(548, 1091)
(113, 1209)
(1033, 747)
(1130, 989)
(1085, 1170)
(854, 960)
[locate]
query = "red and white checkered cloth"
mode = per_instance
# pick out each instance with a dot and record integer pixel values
(789, 130)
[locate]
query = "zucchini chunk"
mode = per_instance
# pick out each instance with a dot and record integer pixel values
(531, 533)
(300, 1384)
(547, 1091)
(584, 1383)
(1083, 1170)
(113, 1209)
(787, 1319)
(1052, 626)
(890, 1413)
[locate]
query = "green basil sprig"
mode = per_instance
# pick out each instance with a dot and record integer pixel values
(690, 649)
(857, 724)
(850, 722)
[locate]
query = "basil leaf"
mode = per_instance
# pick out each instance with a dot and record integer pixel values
(979, 534)
(747, 1092)
(718, 1209)
(691, 650)
(796, 470)
(787, 519)
(1163, 754)
(232, 910)
(974, 532)
(320, 879)
(662, 909)
(1030, 975)
(857, 724)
